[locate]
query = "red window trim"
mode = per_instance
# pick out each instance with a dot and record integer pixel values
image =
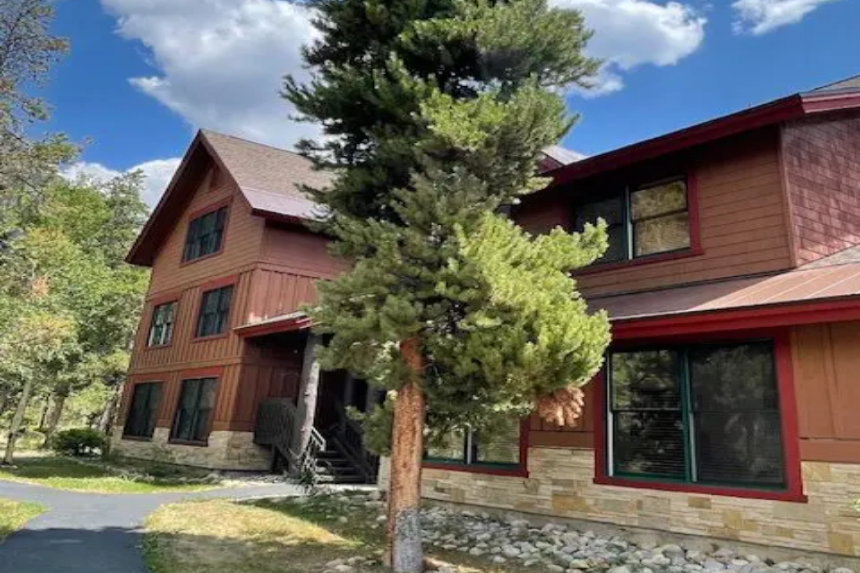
(216, 372)
(155, 303)
(521, 469)
(196, 215)
(788, 417)
(216, 284)
(694, 250)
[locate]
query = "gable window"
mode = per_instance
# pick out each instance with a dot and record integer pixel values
(161, 328)
(500, 448)
(196, 402)
(641, 221)
(205, 234)
(214, 317)
(706, 414)
(143, 411)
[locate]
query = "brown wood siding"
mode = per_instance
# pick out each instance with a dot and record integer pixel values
(826, 363)
(300, 250)
(544, 435)
(822, 170)
(185, 351)
(241, 243)
(742, 219)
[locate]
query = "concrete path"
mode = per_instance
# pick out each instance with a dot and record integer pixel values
(95, 533)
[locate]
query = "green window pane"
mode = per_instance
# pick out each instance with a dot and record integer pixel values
(452, 447)
(649, 443)
(732, 378)
(610, 210)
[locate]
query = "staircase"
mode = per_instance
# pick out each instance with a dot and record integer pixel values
(334, 458)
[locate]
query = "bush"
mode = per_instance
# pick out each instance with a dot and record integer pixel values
(79, 442)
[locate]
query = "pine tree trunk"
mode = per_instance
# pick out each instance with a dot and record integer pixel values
(55, 415)
(407, 449)
(17, 422)
(308, 391)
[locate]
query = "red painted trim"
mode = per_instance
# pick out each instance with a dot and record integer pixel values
(768, 114)
(280, 217)
(522, 469)
(770, 316)
(788, 416)
(816, 103)
(227, 202)
(155, 305)
(196, 214)
(218, 283)
(208, 372)
(694, 250)
(254, 330)
(164, 298)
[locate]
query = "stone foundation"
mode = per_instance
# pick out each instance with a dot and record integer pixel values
(560, 485)
(226, 451)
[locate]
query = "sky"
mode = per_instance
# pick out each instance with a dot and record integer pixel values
(143, 75)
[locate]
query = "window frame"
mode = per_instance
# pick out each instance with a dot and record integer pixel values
(519, 469)
(205, 290)
(793, 488)
(625, 193)
(201, 377)
(155, 306)
(196, 216)
(159, 384)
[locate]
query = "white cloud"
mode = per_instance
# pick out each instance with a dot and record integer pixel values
(632, 33)
(157, 175)
(762, 16)
(221, 62)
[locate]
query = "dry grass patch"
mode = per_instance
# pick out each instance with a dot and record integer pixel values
(276, 537)
(14, 514)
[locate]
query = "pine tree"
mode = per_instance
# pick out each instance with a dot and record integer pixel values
(435, 114)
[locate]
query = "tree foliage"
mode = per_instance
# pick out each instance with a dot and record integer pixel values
(436, 113)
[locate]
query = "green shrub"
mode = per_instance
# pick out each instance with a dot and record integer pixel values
(79, 442)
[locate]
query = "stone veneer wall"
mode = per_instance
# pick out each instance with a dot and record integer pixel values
(560, 484)
(226, 451)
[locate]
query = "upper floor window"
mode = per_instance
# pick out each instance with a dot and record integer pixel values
(498, 448)
(704, 414)
(205, 235)
(161, 328)
(642, 221)
(214, 317)
(143, 411)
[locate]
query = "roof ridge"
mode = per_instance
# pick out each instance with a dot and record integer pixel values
(207, 131)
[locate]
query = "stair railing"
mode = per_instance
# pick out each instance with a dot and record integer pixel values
(276, 418)
(349, 439)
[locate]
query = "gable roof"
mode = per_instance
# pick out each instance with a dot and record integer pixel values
(843, 95)
(268, 178)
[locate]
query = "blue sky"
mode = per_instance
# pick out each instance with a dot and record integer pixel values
(144, 74)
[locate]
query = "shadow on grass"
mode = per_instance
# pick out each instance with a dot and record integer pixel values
(47, 467)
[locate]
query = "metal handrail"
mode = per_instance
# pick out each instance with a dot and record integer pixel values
(276, 419)
(349, 436)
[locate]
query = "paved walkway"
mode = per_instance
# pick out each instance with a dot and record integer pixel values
(95, 533)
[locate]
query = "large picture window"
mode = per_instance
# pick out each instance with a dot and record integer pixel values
(196, 402)
(500, 448)
(161, 328)
(143, 410)
(214, 317)
(205, 234)
(706, 414)
(642, 221)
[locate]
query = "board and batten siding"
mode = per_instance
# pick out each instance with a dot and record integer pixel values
(743, 221)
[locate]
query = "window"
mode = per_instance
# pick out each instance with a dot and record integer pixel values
(704, 414)
(196, 402)
(143, 411)
(646, 220)
(214, 317)
(499, 448)
(205, 234)
(161, 329)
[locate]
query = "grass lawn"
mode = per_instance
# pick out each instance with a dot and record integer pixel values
(66, 473)
(275, 537)
(14, 514)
